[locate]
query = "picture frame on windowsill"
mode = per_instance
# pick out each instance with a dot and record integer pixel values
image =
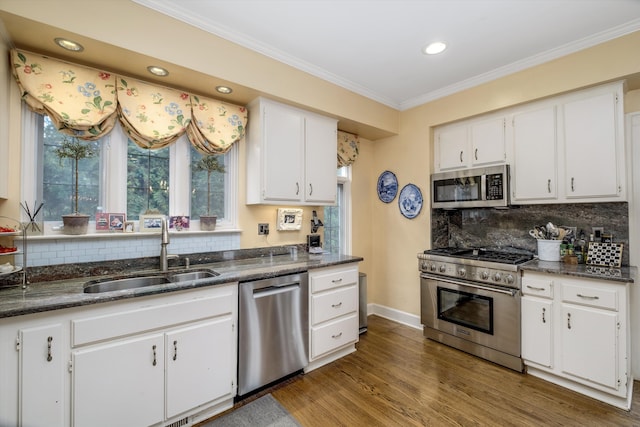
(151, 223)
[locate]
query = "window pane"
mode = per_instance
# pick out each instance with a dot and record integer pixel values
(207, 188)
(332, 225)
(147, 180)
(58, 177)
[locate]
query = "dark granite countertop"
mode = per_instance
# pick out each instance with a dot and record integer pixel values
(59, 294)
(622, 274)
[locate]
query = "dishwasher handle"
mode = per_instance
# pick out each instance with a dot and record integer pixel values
(275, 290)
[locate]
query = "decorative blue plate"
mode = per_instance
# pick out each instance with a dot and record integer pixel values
(387, 186)
(410, 201)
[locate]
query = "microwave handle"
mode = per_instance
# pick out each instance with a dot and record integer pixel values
(483, 187)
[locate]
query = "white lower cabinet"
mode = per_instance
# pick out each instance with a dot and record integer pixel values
(120, 383)
(155, 360)
(575, 332)
(41, 372)
(333, 314)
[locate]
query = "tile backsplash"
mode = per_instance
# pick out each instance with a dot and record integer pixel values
(502, 228)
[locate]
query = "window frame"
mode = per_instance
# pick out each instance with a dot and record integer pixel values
(113, 174)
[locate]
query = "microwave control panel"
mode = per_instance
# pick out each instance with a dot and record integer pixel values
(495, 186)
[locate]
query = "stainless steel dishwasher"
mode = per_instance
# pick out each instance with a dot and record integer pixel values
(273, 330)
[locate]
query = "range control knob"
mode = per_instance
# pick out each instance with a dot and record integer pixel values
(509, 279)
(462, 272)
(443, 268)
(497, 277)
(484, 275)
(432, 267)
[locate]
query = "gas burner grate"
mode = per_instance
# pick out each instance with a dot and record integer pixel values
(502, 257)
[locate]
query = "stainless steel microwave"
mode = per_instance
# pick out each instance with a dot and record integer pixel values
(471, 188)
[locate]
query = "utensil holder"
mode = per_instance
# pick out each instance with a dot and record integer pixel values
(549, 250)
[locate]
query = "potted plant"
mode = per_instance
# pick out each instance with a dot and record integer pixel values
(210, 165)
(75, 150)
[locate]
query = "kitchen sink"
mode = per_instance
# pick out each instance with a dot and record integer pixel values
(192, 275)
(99, 286)
(109, 285)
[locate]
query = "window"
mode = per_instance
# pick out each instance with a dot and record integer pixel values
(337, 230)
(59, 175)
(123, 177)
(147, 180)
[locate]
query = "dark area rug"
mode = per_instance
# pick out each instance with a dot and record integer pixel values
(263, 412)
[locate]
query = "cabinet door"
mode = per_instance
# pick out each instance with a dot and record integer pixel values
(590, 344)
(537, 327)
(590, 133)
(42, 358)
(200, 365)
(320, 160)
(535, 155)
(452, 147)
(119, 384)
(487, 142)
(283, 152)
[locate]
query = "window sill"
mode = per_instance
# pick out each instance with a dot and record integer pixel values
(120, 234)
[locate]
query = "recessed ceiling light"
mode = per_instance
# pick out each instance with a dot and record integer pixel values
(434, 48)
(224, 89)
(69, 44)
(157, 71)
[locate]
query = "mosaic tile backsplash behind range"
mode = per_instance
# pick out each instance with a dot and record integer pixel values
(504, 228)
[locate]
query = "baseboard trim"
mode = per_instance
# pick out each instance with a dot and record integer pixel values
(402, 317)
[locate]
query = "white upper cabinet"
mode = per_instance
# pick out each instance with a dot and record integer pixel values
(592, 131)
(535, 164)
(469, 144)
(569, 149)
(291, 156)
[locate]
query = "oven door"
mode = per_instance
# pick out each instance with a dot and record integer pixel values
(481, 314)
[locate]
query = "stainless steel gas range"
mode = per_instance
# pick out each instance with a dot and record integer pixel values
(470, 300)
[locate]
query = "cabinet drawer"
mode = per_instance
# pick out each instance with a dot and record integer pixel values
(333, 278)
(333, 304)
(334, 335)
(538, 287)
(590, 296)
(128, 322)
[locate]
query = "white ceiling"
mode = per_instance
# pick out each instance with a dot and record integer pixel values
(373, 47)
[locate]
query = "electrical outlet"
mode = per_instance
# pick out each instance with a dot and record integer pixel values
(263, 229)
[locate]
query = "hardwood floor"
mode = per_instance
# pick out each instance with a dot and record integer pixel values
(398, 378)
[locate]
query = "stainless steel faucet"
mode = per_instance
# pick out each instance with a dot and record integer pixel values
(164, 257)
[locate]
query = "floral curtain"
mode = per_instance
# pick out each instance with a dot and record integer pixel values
(152, 116)
(215, 126)
(85, 102)
(80, 101)
(348, 147)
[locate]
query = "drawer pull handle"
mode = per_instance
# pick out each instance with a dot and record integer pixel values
(535, 288)
(337, 335)
(49, 357)
(593, 297)
(338, 305)
(336, 280)
(476, 154)
(310, 189)
(572, 186)
(568, 320)
(155, 362)
(548, 186)
(297, 188)
(175, 350)
(460, 156)
(544, 320)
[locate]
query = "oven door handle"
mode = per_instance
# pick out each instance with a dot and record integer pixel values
(512, 292)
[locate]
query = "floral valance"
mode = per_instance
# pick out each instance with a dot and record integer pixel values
(86, 102)
(348, 147)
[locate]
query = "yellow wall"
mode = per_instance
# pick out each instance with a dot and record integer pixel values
(388, 242)
(398, 240)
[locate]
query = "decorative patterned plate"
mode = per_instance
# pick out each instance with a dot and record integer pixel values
(410, 201)
(387, 186)
(15, 269)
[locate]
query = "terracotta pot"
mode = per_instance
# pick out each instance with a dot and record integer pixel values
(75, 224)
(208, 222)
